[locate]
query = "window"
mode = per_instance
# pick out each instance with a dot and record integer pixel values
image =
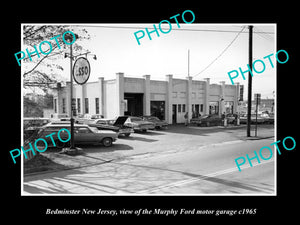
(102, 122)
(63, 105)
(179, 108)
(97, 105)
(55, 105)
(135, 119)
(83, 130)
(78, 105)
(213, 108)
(86, 105)
(228, 107)
(157, 108)
(183, 108)
(201, 107)
(74, 106)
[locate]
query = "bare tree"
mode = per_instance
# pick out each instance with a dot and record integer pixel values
(46, 69)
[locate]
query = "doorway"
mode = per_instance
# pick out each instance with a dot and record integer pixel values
(174, 114)
(134, 104)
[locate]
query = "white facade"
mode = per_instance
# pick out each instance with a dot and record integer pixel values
(169, 99)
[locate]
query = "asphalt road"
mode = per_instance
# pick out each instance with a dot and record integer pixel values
(184, 166)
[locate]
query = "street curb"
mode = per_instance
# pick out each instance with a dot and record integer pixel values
(256, 138)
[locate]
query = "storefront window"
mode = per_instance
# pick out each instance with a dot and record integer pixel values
(213, 108)
(228, 107)
(157, 108)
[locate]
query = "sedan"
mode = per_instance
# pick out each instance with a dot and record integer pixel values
(114, 125)
(138, 124)
(243, 119)
(83, 134)
(157, 122)
(207, 120)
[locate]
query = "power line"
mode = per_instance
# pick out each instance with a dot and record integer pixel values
(264, 35)
(178, 29)
(220, 53)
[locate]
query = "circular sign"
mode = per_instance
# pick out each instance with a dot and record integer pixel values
(81, 70)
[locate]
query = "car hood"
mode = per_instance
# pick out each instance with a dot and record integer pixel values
(120, 121)
(143, 122)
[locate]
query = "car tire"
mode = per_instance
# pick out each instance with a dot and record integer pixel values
(60, 144)
(127, 134)
(107, 142)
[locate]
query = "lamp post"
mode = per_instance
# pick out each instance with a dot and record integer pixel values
(71, 100)
(72, 144)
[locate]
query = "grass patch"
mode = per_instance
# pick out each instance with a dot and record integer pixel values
(41, 163)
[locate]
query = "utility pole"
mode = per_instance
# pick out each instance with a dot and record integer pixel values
(188, 63)
(71, 100)
(249, 83)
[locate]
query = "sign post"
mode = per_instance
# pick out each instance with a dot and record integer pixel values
(257, 97)
(81, 73)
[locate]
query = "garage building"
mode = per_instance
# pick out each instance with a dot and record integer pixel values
(169, 100)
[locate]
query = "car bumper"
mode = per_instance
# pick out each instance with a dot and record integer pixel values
(126, 131)
(145, 127)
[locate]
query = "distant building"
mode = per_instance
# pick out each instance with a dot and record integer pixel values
(265, 105)
(168, 100)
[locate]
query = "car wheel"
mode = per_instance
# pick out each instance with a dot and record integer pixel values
(107, 142)
(60, 144)
(127, 134)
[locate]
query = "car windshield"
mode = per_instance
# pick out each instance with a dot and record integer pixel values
(153, 118)
(95, 116)
(101, 122)
(135, 119)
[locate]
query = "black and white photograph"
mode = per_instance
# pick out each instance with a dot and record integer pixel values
(149, 109)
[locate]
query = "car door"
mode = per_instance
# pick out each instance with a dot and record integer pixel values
(85, 135)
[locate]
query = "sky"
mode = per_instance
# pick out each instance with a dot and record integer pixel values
(212, 53)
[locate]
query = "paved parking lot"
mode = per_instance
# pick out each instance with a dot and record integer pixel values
(179, 160)
(177, 138)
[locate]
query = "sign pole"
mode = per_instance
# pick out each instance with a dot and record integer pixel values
(256, 115)
(71, 100)
(249, 84)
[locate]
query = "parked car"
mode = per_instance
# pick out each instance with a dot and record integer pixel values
(157, 122)
(260, 120)
(268, 117)
(32, 124)
(138, 124)
(231, 118)
(83, 134)
(207, 120)
(88, 118)
(114, 125)
(62, 117)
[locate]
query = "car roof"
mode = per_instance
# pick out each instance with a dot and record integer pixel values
(65, 125)
(103, 119)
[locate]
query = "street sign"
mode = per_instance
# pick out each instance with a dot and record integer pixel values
(81, 70)
(257, 98)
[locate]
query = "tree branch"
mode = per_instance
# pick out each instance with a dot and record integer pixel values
(46, 56)
(34, 32)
